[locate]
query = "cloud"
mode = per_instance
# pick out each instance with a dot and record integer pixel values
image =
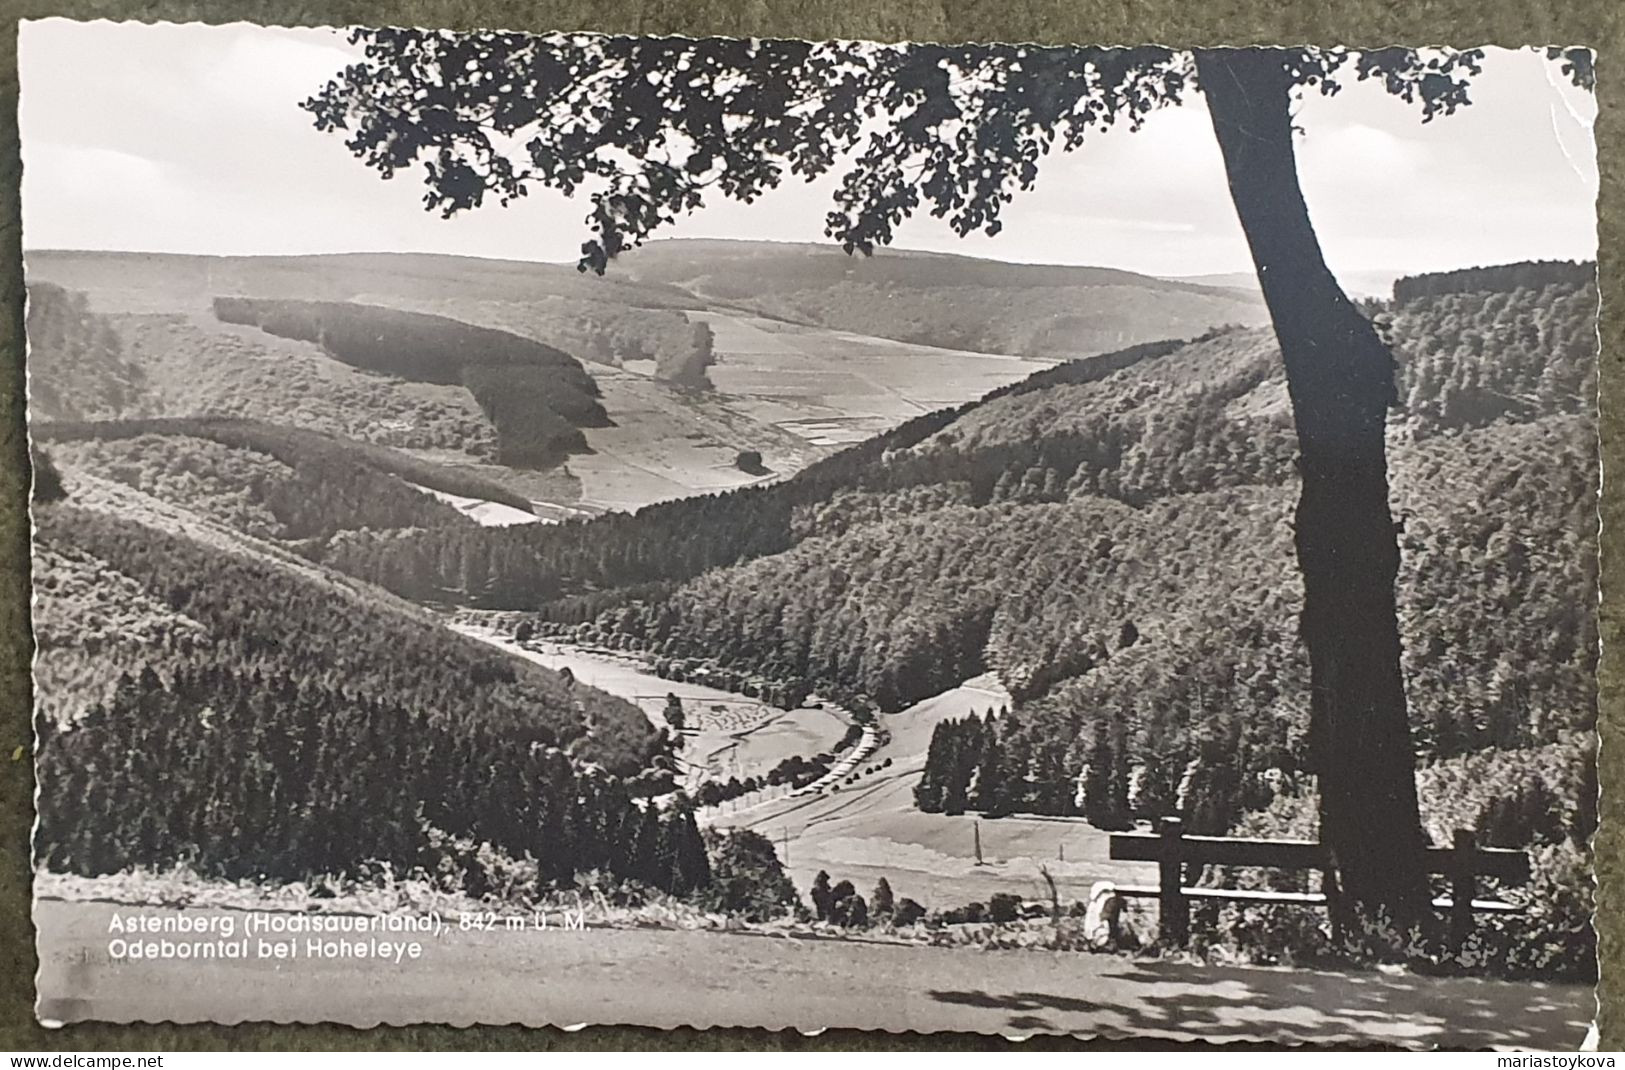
(1359, 152)
(190, 138)
(89, 191)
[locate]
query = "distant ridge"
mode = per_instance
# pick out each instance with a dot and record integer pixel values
(947, 300)
(141, 281)
(673, 259)
(1376, 282)
(1531, 273)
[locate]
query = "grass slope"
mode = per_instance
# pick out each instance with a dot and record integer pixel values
(1118, 548)
(125, 582)
(793, 393)
(957, 302)
(536, 396)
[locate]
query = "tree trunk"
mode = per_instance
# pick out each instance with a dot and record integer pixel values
(1341, 379)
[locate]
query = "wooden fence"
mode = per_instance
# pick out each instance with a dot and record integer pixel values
(1173, 851)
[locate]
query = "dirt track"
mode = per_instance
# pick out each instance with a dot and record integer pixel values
(666, 978)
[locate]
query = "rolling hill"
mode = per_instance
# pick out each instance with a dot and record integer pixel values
(126, 335)
(289, 485)
(1036, 311)
(688, 379)
(210, 700)
(175, 282)
(1112, 538)
(1356, 283)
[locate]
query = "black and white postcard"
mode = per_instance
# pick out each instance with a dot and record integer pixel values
(573, 529)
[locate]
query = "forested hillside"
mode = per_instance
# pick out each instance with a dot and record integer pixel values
(597, 331)
(1113, 538)
(205, 699)
(284, 484)
(86, 364)
(538, 398)
(77, 369)
(689, 382)
(1519, 350)
(956, 302)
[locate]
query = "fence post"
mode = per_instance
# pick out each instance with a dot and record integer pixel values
(1463, 881)
(1174, 917)
(1334, 910)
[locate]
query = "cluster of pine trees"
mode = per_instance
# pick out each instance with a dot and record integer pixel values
(841, 904)
(76, 364)
(289, 624)
(320, 729)
(1004, 764)
(295, 447)
(537, 397)
(248, 775)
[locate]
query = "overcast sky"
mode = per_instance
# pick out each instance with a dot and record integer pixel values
(189, 139)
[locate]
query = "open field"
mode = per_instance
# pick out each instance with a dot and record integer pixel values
(737, 736)
(791, 392)
(486, 513)
(871, 829)
(666, 978)
(868, 830)
(854, 382)
(669, 443)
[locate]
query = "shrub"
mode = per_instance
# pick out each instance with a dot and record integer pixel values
(475, 868)
(882, 903)
(746, 876)
(850, 912)
(908, 913)
(821, 896)
(969, 914)
(1003, 908)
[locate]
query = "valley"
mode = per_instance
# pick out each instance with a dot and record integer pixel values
(860, 832)
(939, 617)
(1068, 542)
(727, 734)
(791, 390)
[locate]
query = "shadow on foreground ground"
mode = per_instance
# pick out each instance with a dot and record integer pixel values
(1223, 1003)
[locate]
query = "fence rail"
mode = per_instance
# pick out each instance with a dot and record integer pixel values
(1464, 862)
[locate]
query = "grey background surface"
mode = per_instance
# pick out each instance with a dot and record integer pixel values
(1597, 23)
